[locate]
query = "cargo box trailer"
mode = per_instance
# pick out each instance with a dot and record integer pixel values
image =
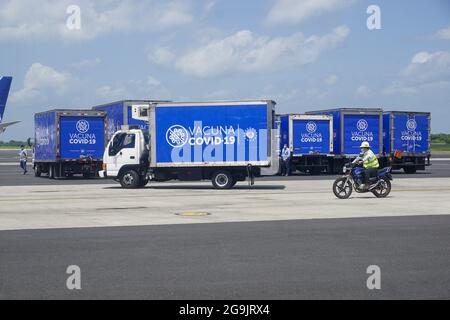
(407, 139)
(310, 139)
(119, 113)
(351, 127)
(225, 142)
(69, 142)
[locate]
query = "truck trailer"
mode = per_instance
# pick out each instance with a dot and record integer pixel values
(221, 141)
(119, 113)
(352, 126)
(310, 139)
(407, 140)
(69, 142)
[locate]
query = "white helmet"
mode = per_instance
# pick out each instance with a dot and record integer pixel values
(365, 144)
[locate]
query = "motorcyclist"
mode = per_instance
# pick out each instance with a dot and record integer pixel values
(370, 163)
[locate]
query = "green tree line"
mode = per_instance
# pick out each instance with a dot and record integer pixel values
(441, 138)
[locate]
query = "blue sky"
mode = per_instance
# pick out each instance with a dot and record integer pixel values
(304, 54)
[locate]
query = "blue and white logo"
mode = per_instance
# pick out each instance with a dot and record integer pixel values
(411, 125)
(82, 126)
(251, 134)
(362, 125)
(177, 136)
(311, 127)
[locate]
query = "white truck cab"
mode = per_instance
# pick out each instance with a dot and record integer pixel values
(125, 155)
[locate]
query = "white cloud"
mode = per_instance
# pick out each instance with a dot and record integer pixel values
(425, 71)
(363, 92)
(296, 11)
(111, 93)
(41, 81)
(161, 56)
(245, 52)
(86, 63)
(46, 19)
(331, 80)
(443, 34)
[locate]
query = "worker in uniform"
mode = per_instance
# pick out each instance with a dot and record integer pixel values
(370, 164)
(23, 157)
(286, 161)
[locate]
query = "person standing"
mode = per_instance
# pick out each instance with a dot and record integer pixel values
(23, 156)
(285, 161)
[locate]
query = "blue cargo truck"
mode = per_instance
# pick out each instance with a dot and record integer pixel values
(225, 142)
(119, 113)
(69, 142)
(407, 140)
(310, 139)
(352, 126)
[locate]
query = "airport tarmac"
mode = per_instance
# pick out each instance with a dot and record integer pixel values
(43, 207)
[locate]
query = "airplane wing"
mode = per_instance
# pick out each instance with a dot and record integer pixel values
(7, 124)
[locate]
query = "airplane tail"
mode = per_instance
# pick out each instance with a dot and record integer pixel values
(5, 84)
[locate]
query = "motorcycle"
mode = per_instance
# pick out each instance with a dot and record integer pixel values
(379, 185)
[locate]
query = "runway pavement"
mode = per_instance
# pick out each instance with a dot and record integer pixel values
(303, 259)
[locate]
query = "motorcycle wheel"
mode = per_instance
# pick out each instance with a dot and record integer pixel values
(384, 189)
(342, 188)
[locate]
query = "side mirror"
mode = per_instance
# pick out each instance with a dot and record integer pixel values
(112, 151)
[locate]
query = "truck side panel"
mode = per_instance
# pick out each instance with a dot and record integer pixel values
(411, 133)
(358, 128)
(114, 116)
(213, 135)
(82, 137)
(45, 137)
(311, 136)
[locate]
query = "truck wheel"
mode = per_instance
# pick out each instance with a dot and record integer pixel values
(222, 180)
(143, 182)
(410, 170)
(37, 171)
(130, 180)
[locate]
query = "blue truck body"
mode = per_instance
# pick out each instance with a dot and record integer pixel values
(352, 126)
(407, 139)
(68, 141)
(307, 134)
(119, 113)
(212, 134)
(310, 139)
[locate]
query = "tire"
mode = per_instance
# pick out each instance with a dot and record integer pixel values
(341, 190)
(129, 180)
(222, 180)
(86, 175)
(37, 171)
(142, 182)
(410, 170)
(384, 190)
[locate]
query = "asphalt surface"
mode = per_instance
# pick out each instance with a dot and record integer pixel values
(11, 175)
(307, 259)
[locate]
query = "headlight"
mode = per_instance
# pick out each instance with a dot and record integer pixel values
(344, 170)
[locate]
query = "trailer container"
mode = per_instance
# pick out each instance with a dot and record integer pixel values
(310, 139)
(352, 126)
(69, 142)
(407, 139)
(225, 141)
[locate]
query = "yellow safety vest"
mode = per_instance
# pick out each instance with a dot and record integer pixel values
(370, 161)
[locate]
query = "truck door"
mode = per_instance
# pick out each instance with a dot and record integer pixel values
(123, 150)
